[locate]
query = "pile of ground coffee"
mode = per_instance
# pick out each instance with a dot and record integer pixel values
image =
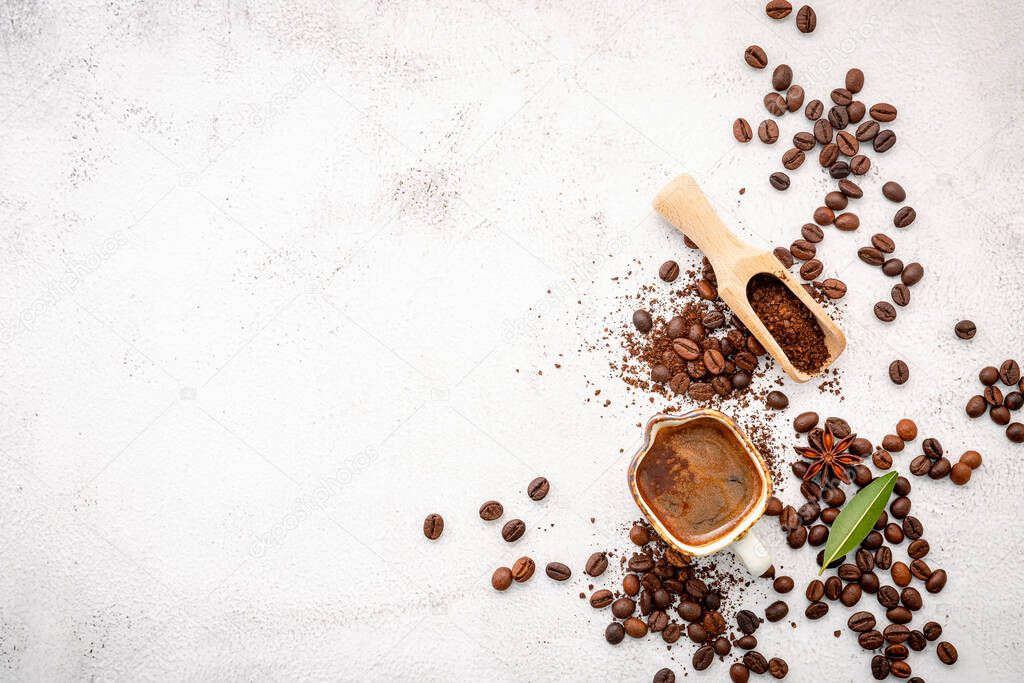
(790, 322)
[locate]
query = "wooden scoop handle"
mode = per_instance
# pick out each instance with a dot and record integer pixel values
(682, 203)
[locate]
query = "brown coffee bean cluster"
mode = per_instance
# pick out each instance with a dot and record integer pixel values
(934, 464)
(872, 569)
(999, 405)
(806, 19)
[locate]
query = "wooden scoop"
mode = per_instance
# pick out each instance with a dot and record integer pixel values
(683, 205)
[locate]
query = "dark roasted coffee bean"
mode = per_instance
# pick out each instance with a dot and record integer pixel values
(657, 621)
(899, 373)
(900, 507)
(912, 528)
(902, 487)
(900, 294)
(833, 586)
(871, 256)
(722, 646)
(815, 590)
(837, 201)
(816, 610)
(885, 312)
(839, 117)
(823, 216)
(865, 560)
(660, 373)
(523, 568)
(988, 375)
(892, 267)
(849, 572)
(911, 598)
(920, 570)
(805, 422)
(880, 667)
(433, 526)
(777, 400)
(755, 57)
(810, 270)
(841, 96)
(936, 581)
(893, 191)
(884, 141)
(776, 611)
(697, 633)
(756, 662)
(778, 668)
(840, 427)
(768, 132)
(669, 271)
(965, 329)
(501, 579)
(896, 633)
(689, 610)
(803, 141)
(900, 574)
(741, 129)
(899, 615)
(814, 110)
(916, 641)
(737, 672)
(869, 582)
(839, 169)
(1009, 372)
(560, 572)
(904, 217)
(794, 98)
(946, 652)
(1014, 400)
(822, 132)
(812, 233)
(792, 160)
(797, 537)
(861, 622)
(870, 640)
(932, 631)
(888, 597)
(897, 652)
(601, 598)
(850, 594)
(775, 104)
(779, 180)
(703, 657)
(976, 406)
(860, 164)
(940, 468)
(867, 131)
(782, 584)
(920, 466)
(883, 557)
(782, 77)
(1015, 432)
(631, 584)
(614, 633)
(854, 80)
(746, 642)
(491, 510)
(538, 488)
(806, 19)
(850, 189)
(847, 143)
(883, 243)
(598, 562)
(747, 621)
(642, 321)
(932, 448)
(883, 111)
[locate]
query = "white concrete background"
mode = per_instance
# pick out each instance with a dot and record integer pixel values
(275, 286)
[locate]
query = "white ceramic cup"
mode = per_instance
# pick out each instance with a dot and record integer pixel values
(743, 542)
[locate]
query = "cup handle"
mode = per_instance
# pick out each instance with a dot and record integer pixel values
(752, 553)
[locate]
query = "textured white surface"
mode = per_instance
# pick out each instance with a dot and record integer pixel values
(270, 270)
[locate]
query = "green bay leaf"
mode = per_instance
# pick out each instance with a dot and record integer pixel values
(858, 518)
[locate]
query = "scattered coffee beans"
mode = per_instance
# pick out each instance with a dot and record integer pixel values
(433, 526)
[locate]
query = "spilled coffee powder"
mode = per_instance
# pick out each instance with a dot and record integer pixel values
(790, 322)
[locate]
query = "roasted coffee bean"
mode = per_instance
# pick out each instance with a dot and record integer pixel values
(782, 77)
(665, 676)
(660, 373)
(806, 19)
(940, 468)
(491, 510)
(639, 534)
(812, 233)
(871, 256)
(972, 459)
(635, 627)
(912, 528)
(614, 633)
(815, 590)
(850, 594)
(946, 652)
(869, 582)
(835, 200)
(872, 541)
(847, 143)
(741, 129)
(839, 117)
(920, 570)
(560, 572)
(900, 507)
(859, 164)
(897, 652)
(756, 662)
(883, 111)
(1009, 372)
(747, 621)
(662, 598)
(823, 216)
(598, 562)
(714, 361)
(778, 668)
(918, 549)
(932, 448)
(988, 375)
(805, 422)
(911, 598)
(809, 513)
(768, 132)
(777, 400)
(936, 581)
(839, 169)
(833, 288)
(679, 383)
(686, 348)
(797, 537)
(900, 574)
(779, 180)
(885, 312)
(501, 579)
(1015, 432)
(904, 217)
(850, 189)
(669, 271)
(906, 429)
(703, 657)
(539, 487)
(841, 96)
(965, 329)
(433, 526)
(737, 672)
(892, 267)
(671, 633)
(1014, 400)
(697, 633)
(776, 611)
(601, 598)
(810, 270)
(794, 98)
(883, 557)
(899, 615)
(833, 586)
(814, 110)
(866, 132)
(523, 568)
(899, 373)
(822, 132)
(828, 155)
(932, 631)
(880, 667)
(854, 80)
(689, 610)
(847, 221)
(657, 621)
(782, 584)
(849, 572)
(896, 633)
(870, 639)
(816, 610)
(631, 584)
(792, 160)
(861, 622)
(746, 642)
(884, 141)
(902, 487)
(755, 57)
(803, 141)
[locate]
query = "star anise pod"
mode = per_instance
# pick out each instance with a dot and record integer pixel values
(831, 458)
